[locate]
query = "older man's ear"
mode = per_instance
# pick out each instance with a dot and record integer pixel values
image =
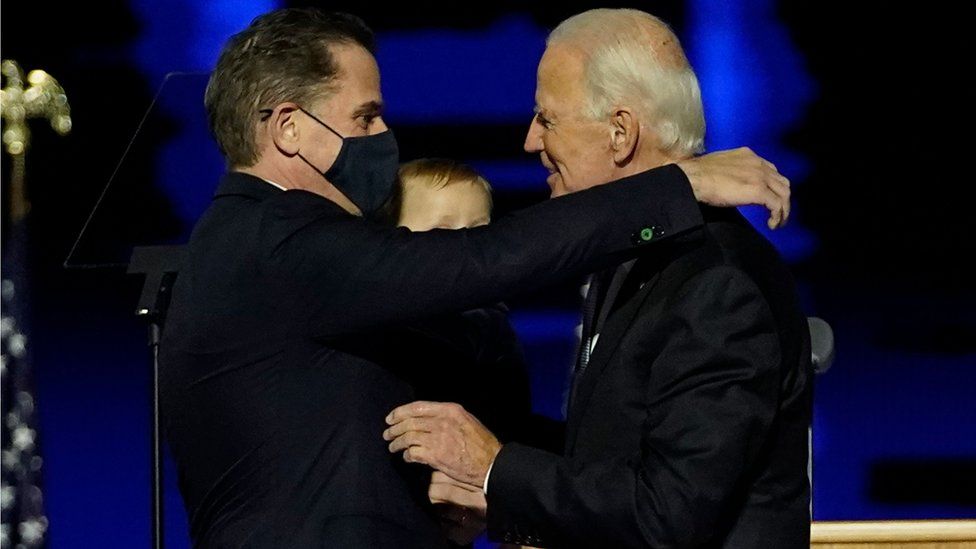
(624, 135)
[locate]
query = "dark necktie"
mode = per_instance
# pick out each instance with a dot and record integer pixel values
(604, 288)
(591, 308)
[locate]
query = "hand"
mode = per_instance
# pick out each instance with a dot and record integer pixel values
(444, 489)
(737, 178)
(444, 436)
(461, 507)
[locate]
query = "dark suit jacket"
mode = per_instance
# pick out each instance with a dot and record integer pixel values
(272, 412)
(689, 425)
(472, 358)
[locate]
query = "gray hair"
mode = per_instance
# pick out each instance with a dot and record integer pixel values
(622, 65)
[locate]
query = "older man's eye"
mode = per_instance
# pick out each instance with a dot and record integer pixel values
(366, 120)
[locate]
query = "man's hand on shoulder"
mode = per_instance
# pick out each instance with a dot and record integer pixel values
(739, 177)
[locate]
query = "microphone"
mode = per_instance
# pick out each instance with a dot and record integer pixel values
(821, 344)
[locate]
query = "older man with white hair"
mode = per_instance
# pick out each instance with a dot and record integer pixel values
(687, 421)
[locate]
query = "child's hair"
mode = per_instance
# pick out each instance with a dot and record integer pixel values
(434, 173)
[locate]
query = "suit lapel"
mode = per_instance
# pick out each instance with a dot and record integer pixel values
(626, 303)
(619, 282)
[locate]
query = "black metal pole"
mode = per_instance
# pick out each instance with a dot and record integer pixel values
(157, 446)
(160, 265)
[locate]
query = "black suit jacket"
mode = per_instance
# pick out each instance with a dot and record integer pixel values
(272, 406)
(473, 358)
(689, 425)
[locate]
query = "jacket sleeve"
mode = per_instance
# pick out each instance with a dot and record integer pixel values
(711, 398)
(352, 275)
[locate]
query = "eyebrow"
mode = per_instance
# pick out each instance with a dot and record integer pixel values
(544, 113)
(374, 108)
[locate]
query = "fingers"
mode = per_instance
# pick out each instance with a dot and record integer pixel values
(446, 493)
(412, 435)
(444, 436)
(422, 408)
(774, 191)
(406, 440)
(419, 408)
(418, 454)
(776, 218)
(775, 196)
(410, 424)
(782, 188)
(783, 192)
(772, 202)
(466, 496)
(438, 477)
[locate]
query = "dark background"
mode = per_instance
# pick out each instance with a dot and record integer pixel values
(867, 107)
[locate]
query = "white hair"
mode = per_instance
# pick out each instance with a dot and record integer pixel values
(622, 66)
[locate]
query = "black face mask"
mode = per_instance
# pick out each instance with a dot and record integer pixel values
(366, 168)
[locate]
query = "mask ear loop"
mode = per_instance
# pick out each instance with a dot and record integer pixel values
(328, 127)
(266, 114)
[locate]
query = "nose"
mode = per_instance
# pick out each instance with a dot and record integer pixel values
(533, 139)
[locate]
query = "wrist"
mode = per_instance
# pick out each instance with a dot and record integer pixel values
(690, 168)
(484, 484)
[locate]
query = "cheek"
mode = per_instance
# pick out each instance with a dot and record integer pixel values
(566, 154)
(557, 185)
(555, 147)
(573, 174)
(587, 167)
